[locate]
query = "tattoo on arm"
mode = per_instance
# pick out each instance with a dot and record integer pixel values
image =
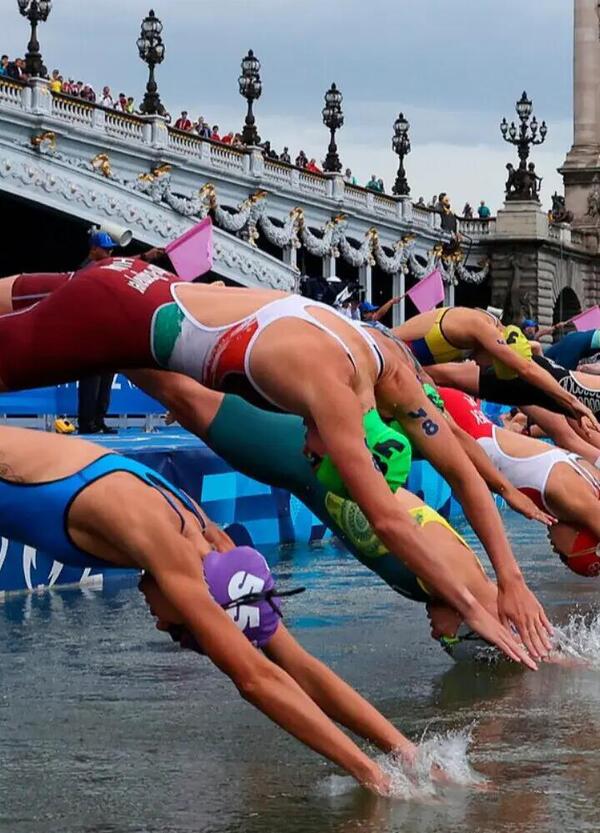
(429, 426)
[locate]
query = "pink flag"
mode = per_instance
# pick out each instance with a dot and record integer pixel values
(589, 319)
(428, 292)
(191, 254)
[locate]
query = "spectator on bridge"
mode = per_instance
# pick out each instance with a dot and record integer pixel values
(301, 160)
(107, 99)
(285, 156)
(121, 103)
(483, 211)
(313, 167)
(4, 65)
(88, 94)
(183, 123)
(373, 184)
(55, 82)
(432, 202)
(130, 106)
(381, 185)
(227, 139)
(16, 70)
(238, 141)
(348, 178)
(468, 211)
(202, 128)
(66, 86)
(420, 203)
(215, 133)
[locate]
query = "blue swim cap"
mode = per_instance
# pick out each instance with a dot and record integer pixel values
(528, 322)
(103, 240)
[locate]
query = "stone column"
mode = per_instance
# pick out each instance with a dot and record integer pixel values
(365, 278)
(582, 165)
(399, 287)
(586, 74)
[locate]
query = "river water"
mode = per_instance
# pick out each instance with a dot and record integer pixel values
(105, 726)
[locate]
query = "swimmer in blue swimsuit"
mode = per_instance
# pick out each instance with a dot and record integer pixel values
(89, 507)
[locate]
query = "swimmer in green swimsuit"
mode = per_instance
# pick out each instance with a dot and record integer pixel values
(276, 457)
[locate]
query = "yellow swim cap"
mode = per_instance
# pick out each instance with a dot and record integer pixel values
(63, 426)
(516, 341)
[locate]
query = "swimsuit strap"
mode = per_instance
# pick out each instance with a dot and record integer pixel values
(112, 463)
(575, 461)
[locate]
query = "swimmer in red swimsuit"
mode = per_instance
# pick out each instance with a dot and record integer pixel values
(554, 479)
(289, 351)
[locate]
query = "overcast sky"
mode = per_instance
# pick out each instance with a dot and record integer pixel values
(454, 69)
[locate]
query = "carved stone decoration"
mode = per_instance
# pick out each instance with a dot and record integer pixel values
(593, 209)
(56, 186)
(101, 164)
(47, 139)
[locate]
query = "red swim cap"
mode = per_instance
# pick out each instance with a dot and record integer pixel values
(585, 558)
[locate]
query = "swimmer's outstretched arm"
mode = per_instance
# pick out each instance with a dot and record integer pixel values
(175, 566)
(429, 431)
(338, 418)
(495, 480)
(495, 345)
(566, 434)
(337, 699)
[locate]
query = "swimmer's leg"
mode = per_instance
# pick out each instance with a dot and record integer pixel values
(461, 375)
(445, 621)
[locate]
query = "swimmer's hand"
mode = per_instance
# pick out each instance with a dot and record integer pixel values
(217, 538)
(518, 606)
(500, 635)
(376, 781)
(584, 416)
(526, 507)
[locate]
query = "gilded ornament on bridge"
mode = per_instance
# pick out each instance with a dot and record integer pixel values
(101, 163)
(47, 136)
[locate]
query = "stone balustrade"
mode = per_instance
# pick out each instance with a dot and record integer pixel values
(11, 92)
(153, 132)
(476, 228)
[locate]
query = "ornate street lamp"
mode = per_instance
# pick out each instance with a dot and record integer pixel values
(152, 52)
(250, 88)
(333, 118)
(523, 182)
(401, 146)
(36, 11)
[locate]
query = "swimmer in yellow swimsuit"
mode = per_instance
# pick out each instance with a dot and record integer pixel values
(455, 333)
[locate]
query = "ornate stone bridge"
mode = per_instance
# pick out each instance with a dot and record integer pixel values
(273, 221)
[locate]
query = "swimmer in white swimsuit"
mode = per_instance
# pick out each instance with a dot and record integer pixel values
(562, 483)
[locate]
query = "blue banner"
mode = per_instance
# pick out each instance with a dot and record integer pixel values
(125, 399)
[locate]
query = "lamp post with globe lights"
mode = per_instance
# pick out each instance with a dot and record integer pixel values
(152, 52)
(401, 146)
(523, 182)
(250, 88)
(36, 11)
(333, 118)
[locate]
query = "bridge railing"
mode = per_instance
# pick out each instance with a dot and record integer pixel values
(52, 110)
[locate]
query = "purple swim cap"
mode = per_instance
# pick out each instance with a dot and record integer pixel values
(243, 575)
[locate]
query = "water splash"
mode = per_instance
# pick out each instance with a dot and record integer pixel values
(444, 752)
(579, 640)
